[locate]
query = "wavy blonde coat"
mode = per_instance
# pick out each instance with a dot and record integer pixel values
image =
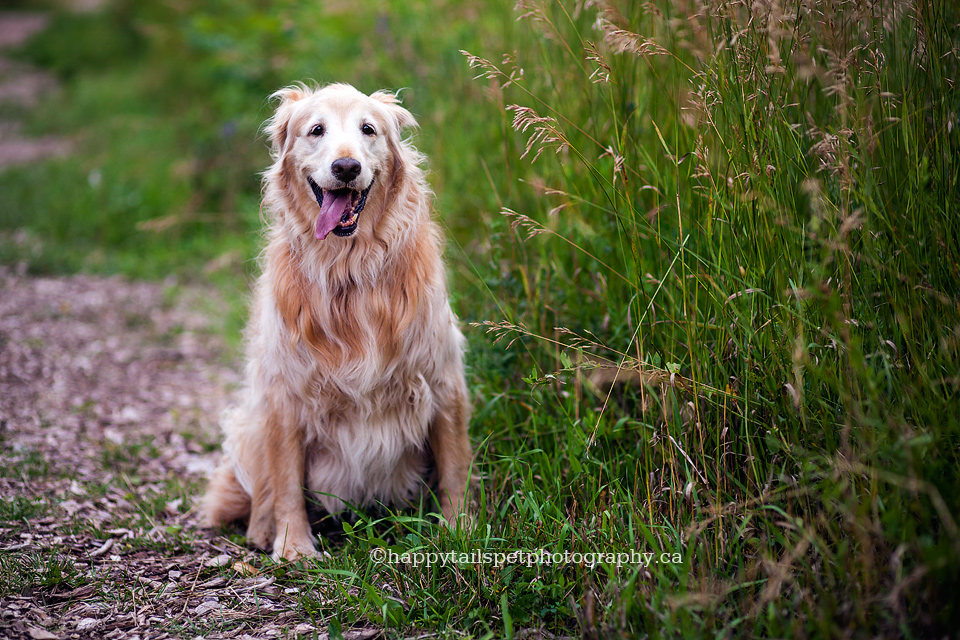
(355, 383)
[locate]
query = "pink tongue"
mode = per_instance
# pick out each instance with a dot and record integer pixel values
(334, 205)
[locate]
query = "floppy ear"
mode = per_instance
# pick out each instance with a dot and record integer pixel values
(277, 127)
(401, 117)
(402, 151)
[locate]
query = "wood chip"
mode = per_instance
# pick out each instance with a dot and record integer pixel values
(147, 582)
(260, 584)
(210, 584)
(85, 625)
(41, 634)
(220, 561)
(106, 546)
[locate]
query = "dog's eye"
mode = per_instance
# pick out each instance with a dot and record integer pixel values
(317, 130)
(368, 130)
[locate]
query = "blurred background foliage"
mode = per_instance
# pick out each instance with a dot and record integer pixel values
(168, 99)
(720, 238)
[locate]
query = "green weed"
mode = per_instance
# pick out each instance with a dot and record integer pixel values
(21, 571)
(21, 509)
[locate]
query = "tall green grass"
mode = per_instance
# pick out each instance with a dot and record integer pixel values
(741, 229)
(707, 259)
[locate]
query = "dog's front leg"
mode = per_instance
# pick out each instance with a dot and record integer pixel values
(260, 529)
(281, 515)
(452, 454)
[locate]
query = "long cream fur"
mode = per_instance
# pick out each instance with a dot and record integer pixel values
(354, 382)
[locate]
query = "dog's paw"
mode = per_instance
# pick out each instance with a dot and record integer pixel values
(458, 520)
(260, 533)
(293, 548)
(293, 553)
(456, 512)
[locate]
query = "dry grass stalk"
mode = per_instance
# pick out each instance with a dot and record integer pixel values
(545, 130)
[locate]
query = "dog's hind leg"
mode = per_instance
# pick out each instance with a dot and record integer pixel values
(226, 500)
(450, 444)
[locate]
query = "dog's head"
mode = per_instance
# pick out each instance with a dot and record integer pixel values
(336, 145)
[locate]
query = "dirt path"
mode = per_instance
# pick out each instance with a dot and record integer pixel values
(109, 396)
(21, 87)
(108, 405)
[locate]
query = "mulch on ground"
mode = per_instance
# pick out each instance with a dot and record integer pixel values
(109, 397)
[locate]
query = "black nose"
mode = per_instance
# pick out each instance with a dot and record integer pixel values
(345, 169)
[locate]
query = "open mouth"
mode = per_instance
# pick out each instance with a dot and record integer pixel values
(339, 210)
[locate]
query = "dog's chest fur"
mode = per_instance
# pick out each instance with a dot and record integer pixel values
(350, 363)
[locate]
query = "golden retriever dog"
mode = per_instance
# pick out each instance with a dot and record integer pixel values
(355, 388)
